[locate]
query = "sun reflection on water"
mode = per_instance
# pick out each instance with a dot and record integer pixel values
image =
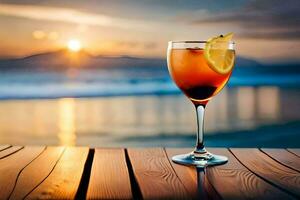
(268, 102)
(66, 122)
(88, 121)
(246, 103)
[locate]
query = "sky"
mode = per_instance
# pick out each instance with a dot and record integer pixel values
(265, 30)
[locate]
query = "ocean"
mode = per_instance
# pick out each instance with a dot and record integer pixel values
(142, 107)
(117, 82)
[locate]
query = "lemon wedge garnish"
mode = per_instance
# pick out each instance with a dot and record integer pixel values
(218, 55)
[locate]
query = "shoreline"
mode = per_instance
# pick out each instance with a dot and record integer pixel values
(267, 136)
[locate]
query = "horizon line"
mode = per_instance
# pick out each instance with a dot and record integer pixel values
(16, 57)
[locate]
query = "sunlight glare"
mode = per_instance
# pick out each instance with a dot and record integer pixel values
(74, 45)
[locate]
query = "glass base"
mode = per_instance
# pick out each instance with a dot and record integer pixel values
(205, 159)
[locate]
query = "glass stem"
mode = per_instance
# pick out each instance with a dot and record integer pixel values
(200, 125)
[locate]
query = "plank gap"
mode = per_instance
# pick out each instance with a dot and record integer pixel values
(47, 175)
(136, 191)
(289, 150)
(261, 177)
(86, 174)
(4, 147)
(281, 163)
(16, 181)
(11, 150)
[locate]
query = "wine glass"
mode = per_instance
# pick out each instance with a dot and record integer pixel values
(199, 81)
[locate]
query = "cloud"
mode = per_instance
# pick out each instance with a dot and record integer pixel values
(268, 19)
(69, 15)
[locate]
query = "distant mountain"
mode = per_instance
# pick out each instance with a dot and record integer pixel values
(63, 60)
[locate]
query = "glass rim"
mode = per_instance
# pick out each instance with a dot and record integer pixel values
(192, 44)
(194, 41)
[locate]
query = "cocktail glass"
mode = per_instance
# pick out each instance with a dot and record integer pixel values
(199, 81)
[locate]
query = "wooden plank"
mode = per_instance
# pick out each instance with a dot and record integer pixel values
(155, 176)
(109, 176)
(64, 180)
(234, 181)
(11, 166)
(36, 172)
(295, 151)
(3, 147)
(270, 170)
(284, 157)
(9, 151)
(189, 177)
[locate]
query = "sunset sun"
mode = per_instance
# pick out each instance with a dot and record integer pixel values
(74, 45)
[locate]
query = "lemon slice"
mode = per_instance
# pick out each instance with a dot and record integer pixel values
(219, 57)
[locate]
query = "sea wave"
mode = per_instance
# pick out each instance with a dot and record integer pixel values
(118, 83)
(59, 90)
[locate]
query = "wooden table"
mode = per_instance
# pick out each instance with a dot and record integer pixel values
(38, 172)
